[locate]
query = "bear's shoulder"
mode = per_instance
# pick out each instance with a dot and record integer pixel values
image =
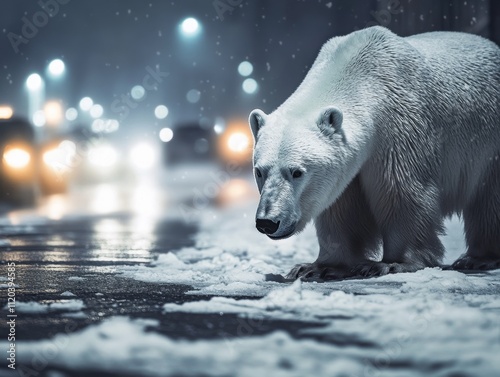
(347, 46)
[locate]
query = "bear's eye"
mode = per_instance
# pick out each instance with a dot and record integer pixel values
(258, 173)
(297, 174)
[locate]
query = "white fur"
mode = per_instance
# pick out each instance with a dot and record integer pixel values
(419, 133)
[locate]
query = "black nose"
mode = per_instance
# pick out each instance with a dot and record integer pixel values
(267, 226)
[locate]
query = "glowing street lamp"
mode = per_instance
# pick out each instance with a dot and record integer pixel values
(34, 83)
(56, 68)
(36, 93)
(190, 27)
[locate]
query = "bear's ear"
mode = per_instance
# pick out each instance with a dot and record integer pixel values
(331, 118)
(257, 119)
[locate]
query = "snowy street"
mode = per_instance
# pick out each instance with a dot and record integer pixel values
(162, 164)
(154, 294)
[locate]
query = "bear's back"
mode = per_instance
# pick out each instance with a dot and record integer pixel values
(460, 57)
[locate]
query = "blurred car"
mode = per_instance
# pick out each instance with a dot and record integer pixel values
(55, 165)
(28, 168)
(18, 161)
(93, 157)
(190, 144)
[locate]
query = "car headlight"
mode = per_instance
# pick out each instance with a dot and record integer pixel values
(60, 157)
(238, 142)
(6, 112)
(143, 156)
(103, 156)
(16, 158)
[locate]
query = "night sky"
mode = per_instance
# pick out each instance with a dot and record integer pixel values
(110, 46)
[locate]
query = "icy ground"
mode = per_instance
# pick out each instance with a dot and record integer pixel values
(429, 323)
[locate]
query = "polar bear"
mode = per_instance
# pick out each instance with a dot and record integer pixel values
(384, 138)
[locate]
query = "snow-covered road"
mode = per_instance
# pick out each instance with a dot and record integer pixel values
(429, 323)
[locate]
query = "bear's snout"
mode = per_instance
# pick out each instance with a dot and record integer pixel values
(267, 226)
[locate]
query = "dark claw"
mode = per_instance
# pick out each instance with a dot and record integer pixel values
(471, 263)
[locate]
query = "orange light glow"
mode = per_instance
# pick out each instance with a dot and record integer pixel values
(16, 158)
(236, 142)
(53, 113)
(236, 191)
(6, 112)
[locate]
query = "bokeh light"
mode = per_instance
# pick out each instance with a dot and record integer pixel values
(138, 92)
(53, 113)
(6, 112)
(190, 27)
(16, 158)
(238, 142)
(86, 103)
(56, 68)
(161, 111)
(96, 111)
(250, 86)
(245, 68)
(71, 114)
(193, 96)
(142, 156)
(34, 82)
(166, 134)
(39, 118)
(104, 156)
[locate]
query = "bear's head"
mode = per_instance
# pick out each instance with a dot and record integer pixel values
(301, 167)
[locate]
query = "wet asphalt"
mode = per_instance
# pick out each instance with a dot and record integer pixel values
(80, 254)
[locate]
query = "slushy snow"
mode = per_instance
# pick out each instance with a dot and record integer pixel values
(430, 323)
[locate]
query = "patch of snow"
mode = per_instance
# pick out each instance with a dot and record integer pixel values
(31, 307)
(69, 305)
(392, 346)
(227, 254)
(37, 307)
(431, 322)
(123, 346)
(427, 318)
(76, 278)
(77, 315)
(67, 293)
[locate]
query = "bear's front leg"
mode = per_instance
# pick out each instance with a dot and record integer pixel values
(347, 233)
(410, 235)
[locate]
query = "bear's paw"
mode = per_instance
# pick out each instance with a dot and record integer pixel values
(469, 263)
(312, 272)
